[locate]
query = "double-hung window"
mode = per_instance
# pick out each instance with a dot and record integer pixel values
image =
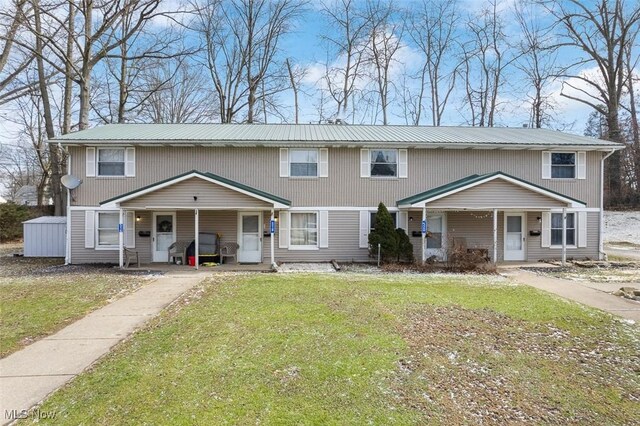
(107, 229)
(111, 161)
(384, 162)
(303, 162)
(304, 230)
(372, 220)
(556, 229)
(563, 165)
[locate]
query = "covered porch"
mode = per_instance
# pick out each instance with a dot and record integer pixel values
(497, 216)
(194, 218)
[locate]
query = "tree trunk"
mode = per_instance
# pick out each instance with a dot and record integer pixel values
(68, 80)
(295, 89)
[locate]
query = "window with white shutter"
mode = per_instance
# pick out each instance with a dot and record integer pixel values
(364, 229)
(324, 229)
(546, 229)
(546, 165)
(283, 230)
(284, 162)
(581, 165)
(582, 229)
(89, 228)
(324, 162)
(402, 163)
(130, 162)
(365, 163)
(90, 169)
(130, 230)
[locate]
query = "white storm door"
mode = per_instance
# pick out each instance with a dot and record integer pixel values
(163, 234)
(436, 236)
(249, 237)
(514, 236)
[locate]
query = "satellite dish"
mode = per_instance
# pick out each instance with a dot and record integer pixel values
(70, 181)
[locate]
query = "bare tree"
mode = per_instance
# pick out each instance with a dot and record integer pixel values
(179, 93)
(538, 63)
(385, 36)
(602, 32)
(486, 57)
(346, 42)
(241, 41)
(433, 30)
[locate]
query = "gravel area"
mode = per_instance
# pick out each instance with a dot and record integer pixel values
(622, 227)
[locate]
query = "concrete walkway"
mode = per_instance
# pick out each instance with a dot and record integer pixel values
(29, 375)
(578, 292)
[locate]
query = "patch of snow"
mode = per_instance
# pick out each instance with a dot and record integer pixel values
(306, 267)
(622, 227)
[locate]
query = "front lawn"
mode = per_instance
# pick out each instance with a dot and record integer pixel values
(39, 296)
(358, 349)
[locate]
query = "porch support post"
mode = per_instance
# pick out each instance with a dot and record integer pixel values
(423, 228)
(121, 238)
(197, 228)
(564, 236)
(272, 243)
(495, 236)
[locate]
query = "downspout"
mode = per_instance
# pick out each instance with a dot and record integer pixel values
(602, 254)
(67, 257)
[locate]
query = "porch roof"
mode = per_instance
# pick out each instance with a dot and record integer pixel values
(423, 198)
(278, 202)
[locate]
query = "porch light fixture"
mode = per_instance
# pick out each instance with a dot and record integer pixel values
(539, 219)
(410, 218)
(195, 198)
(138, 218)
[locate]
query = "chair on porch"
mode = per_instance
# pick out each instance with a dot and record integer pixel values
(176, 251)
(130, 255)
(229, 249)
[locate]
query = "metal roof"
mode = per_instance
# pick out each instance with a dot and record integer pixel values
(48, 219)
(319, 134)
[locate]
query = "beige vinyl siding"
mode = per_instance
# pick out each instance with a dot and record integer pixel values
(80, 254)
(259, 167)
(536, 252)
(180, 195)
(496, 194)
(343, 242)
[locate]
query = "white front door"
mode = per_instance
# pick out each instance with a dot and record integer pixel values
(436, 236)
(250, 237)
(514, 236)
(163, 234)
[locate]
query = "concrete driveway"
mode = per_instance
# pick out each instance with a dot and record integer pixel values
(590, 294)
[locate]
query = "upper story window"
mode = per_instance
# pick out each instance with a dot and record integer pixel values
(384, 162)
(563, 165)
(111, 161)
(303, 162)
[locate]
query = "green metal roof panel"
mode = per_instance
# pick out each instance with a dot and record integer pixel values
(300, 134)
(451, 186)
(211, 176)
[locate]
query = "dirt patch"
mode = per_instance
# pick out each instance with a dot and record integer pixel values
(481, 367)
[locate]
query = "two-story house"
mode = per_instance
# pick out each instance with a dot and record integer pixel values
(310, 192)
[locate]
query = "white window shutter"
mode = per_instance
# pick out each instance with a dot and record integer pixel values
(89, 228)
(283, 230)
(284, 162)
(582, 228)
(130, 162)
(581, 165)
(365, 165)
(403, 221)
(402, 163)
(130, 230)
(546, 165)
(324, 163)
(364, 228)
(324, 229)
(91, 162)
(546, 229)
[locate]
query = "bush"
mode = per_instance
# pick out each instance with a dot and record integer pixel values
(11, 217)
(394, 243)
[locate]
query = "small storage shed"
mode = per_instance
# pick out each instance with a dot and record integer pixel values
(45, 236)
